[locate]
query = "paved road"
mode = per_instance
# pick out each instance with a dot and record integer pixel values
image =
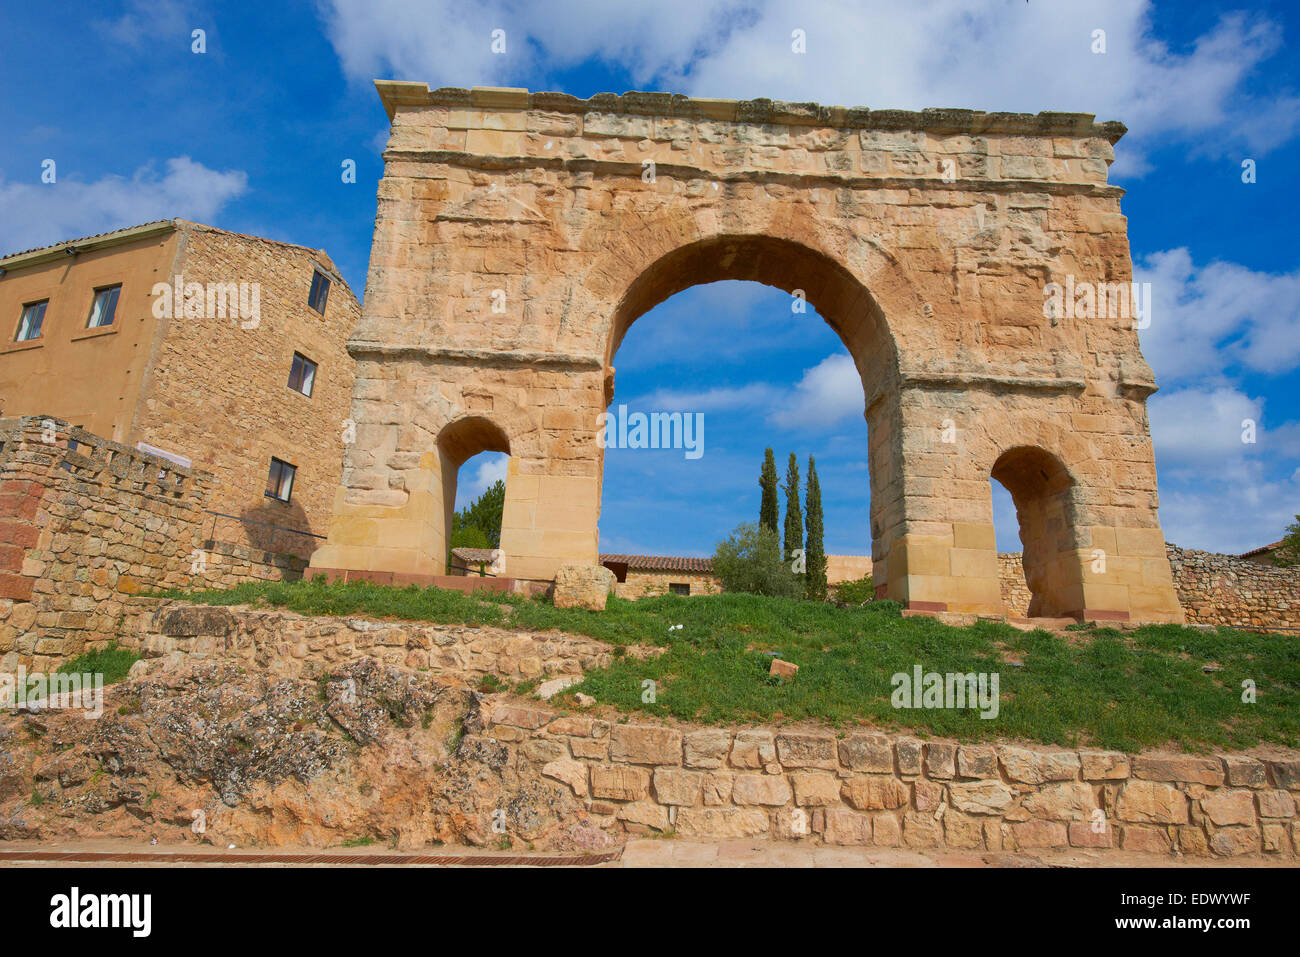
(637, 853)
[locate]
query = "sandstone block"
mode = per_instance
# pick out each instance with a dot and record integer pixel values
(771, 790)
(645, 744)
(805, 750)
(867, 752)
(619, 783)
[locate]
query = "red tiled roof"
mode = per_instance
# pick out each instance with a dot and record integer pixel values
(1259, 551)
(662, 563)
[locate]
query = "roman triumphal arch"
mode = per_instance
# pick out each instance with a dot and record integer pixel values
(519, 235)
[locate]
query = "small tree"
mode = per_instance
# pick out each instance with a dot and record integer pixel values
(768, 510)
(750, 561)
(484, 513)
(815, 551)
(793, 513)
(1288, 553)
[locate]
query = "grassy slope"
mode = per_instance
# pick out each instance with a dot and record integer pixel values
(1124, 690)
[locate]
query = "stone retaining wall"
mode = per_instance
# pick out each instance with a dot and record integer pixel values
(86, 526)
(865, 788)
(291, 644)
(1225, 590)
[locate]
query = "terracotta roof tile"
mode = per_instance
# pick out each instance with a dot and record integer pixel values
(662, 563)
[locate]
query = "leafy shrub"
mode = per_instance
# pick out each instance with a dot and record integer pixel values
(856, 592)
(750, 561)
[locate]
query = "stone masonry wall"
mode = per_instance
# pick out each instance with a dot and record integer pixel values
(86, 527)
(867, 788)
(290, 644)
(644, 583)
(1011, 578)
(1225, 590)
(797, 783)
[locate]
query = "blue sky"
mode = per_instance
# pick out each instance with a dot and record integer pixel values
(251, 134)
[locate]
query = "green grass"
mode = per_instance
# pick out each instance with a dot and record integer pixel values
(113, 662)
(1103, 687)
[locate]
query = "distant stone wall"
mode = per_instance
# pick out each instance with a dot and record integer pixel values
(643, 583)
(1011, 578)
(87, 526)
(1225, 590)
(290, 644)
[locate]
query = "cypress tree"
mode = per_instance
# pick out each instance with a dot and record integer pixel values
(815, 551)
(769, 511)
(793, 513)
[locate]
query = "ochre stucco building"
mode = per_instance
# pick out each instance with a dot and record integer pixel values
(223, 351)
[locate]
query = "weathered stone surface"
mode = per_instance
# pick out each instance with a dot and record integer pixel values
(1063, 801)
(921, 830)
(1229, 807)
(1235, 841)
(1083, 834)
(766, 789)
(706, 748)
(675, 786)
(1029, 834)
(1104, 765)
(908, 751)
(753, 749)
(1180, 768)
(962, 831)
(977, 761)
(813, 789)
(846, 827)
(1243, 772)
(875, 792)
(526, 238)
(1151, 802)
(583, 586)
(619, 782)
(926, 795)
(645, 813)
(1276, 804)
(867, 752)
(1285, 773)
(645, 744)
(572, 773)
(717, 787)
(984, 797)
(1038, 767)
(1150, 840)
(940, 760)
(717, 822)
(795, 750)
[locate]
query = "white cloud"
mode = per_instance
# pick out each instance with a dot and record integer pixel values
(828, 393)
(484, 470)
(1203, 427)
(754, 395)
(39, 214)
(1220, 313)
(896, 54)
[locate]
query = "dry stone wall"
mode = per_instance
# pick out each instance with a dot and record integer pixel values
(290, 644)
(867, 788)
(87, 526)
(1225, 590)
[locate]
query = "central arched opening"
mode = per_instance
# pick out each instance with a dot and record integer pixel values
(773, 344)
(474, 457)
